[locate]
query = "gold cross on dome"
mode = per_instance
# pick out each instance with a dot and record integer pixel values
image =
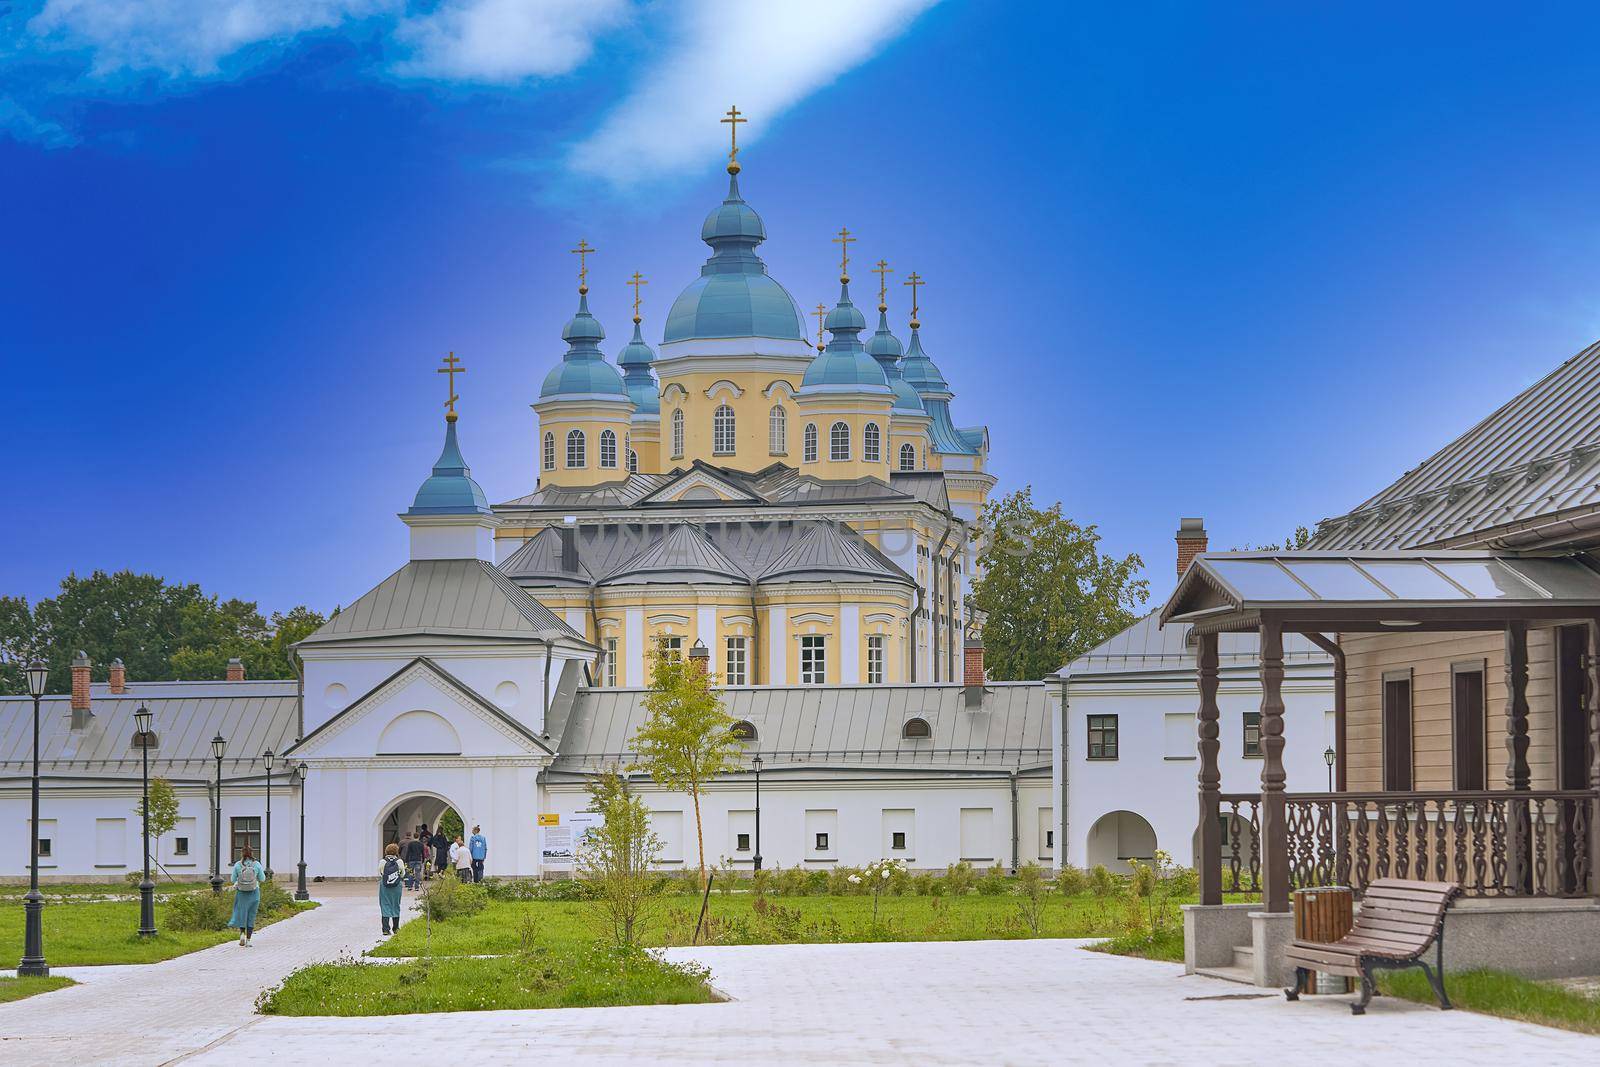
(583, 252)
(882, 271)
(843, 241)
(733, 121)
(821, 313)
(913, 279)
(452, 367)
(636, 281)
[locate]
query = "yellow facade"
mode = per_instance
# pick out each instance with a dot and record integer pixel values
(825, 411)
(645, 440)
(749, 396)
(599, 458)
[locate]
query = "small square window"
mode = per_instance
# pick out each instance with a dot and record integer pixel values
(1252, 733)
(180, 846)
(1049, 839)
(822, 842)
(742, 843)
(44, 846)
(1102, 737)
(897, 839)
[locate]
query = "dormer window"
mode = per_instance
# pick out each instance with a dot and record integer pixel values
(916, 730)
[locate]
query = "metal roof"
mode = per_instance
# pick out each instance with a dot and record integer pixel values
(685, 554)
(838, 725)
(447, 597)
(1147, 647)
(1498, 484)
(824, 552)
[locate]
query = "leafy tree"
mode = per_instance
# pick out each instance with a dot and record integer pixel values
(616, 857)
(163, 811)
(687, 738)
(1300, 539)
(1047, 593)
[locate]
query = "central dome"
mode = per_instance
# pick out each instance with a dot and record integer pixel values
(734, 295)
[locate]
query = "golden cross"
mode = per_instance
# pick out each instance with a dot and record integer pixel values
(582, 252)
(882, 271)
(452, 367)
(636, 281)
(913, 279)
(821, 313)
(843, 241)
(733, 121)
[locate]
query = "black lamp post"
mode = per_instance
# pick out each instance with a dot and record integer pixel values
(757, 763)
(268, 759)
(1328, 757)
(219, 745)
(300, 771)
(33, 964)
(147, 888)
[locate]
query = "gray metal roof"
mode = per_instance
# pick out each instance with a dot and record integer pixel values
(684, 554)
(1147, 647)
(857, 725)
(1535, 457)
(253, 717)
(824, 552)
(446, 597)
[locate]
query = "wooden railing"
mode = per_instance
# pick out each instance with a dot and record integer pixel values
(1495, 844)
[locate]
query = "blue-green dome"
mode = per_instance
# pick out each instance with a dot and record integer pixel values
(635, 359)
(919, 370)
(583, 371)
(734, 296)
(450, 489)
(844, 362)
(884, 347)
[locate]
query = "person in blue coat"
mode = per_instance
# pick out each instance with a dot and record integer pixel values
(247, 878)
(391, 879)
(478, 845)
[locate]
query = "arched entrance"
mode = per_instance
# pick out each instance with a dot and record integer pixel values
(1117, 837)
(406, 814)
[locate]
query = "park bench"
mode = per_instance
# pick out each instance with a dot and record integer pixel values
(1399, 920)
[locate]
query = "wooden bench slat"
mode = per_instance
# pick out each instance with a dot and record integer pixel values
(1434, 899)
(1398, 920)
(1391, 929)
(1415, 907)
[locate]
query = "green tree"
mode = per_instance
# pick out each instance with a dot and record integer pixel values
(1047, 593)
(687, 737)
(616, 857)
(1300, 539)
(163, 811)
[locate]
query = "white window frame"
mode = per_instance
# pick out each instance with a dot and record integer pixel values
(871, 443)
(549, 450)
(608, 450)
(777, 431)
(736, 660)
(809, 449)
(633, 462)
(908, 457)
(813, 659)
(877, 659)
(724, 440)
(577, 449)
(839, 443)
(677, 433)
(608, 661)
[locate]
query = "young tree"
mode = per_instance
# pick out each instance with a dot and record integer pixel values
(615, 859)
(687, 740)
(163, 811)
(1047, 593)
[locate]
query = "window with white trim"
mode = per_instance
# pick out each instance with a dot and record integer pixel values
(876, 658)
(810, 448)
(677, 434)
(608, 661)
(737, 670)
(839, 441)
(608, 450)
(813, 660)
(671, 646)
(549, 451)
(722, 436)
(575, 448)
(908, 457)
(777, 431)
(871, 443)
(633, 462)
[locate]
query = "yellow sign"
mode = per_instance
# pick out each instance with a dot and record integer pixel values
(549, 818)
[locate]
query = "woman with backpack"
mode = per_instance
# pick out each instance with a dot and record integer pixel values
(391, 877)
(247, 878)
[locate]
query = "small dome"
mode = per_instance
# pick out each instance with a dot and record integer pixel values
(844, 362)
(884, 347)
(635, 360)
(583, 370)
(450, 489)
(733, 218)
(919, 370)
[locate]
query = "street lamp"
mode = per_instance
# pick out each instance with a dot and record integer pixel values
(300, 771)
(147, 888)
(219, 745)
(1328, 757)
(268, 759)
(33, 963)
(757, 762)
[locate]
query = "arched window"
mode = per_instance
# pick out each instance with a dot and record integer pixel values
(677, 434)
(743, 731)
(575, 449)
(608, 450)
(633, 462)
(777, 431)
(871, 448)
(810, 449)
(908, 457)
(839, 441)
(916, 729)
(722, 431)
(549, 451)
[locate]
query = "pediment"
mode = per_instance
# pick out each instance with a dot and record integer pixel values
(700, 484)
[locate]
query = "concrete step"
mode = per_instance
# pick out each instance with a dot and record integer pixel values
(1241, 975)
(1245, 956)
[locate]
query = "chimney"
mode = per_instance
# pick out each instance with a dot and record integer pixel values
(118, 677)
(236, 670)
(80, 691)
(1191, 542)
(972, 674)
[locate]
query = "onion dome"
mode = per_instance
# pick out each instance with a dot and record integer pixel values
(884, 347)
(734, 295)
(635, 359)
(844, 364)
(935, 393)
(919, 370)
(450, 489)
(583, 371)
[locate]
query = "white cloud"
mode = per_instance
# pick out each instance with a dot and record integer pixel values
(505, 40)
(765, 57)
(186, 37)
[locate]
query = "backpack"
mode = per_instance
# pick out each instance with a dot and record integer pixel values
(246, 882)
(391, 871)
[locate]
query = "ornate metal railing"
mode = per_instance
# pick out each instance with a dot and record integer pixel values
(1494, 843)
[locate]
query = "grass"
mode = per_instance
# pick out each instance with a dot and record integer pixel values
(21, 988)
(89, 932)
(1167, 945)
(1505, 995)
(108, 890)
(546, 977)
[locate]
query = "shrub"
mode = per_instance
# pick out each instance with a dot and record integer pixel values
(925, 884)
(900, 880)
(616, 860)
(844, 881)
(761, 882)
(1071, 881)
(790, 882)
(959, 878)
(446, 898)
(275, 900)
(1033, 893)
(203, 910)
(817, 883)
(994, 882)
(512, 889)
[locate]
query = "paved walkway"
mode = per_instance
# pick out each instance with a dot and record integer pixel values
(1013, 1002)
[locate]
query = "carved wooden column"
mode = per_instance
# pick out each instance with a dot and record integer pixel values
(1591, 705)
(1274, 824)
(1209, 861)
(1519, 778)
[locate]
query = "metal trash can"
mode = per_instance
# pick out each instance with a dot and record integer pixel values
(1324, 914)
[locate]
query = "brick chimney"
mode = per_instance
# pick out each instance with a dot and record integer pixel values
(1191, 542)
(117, 676)
(80, 691)
(972, 673)
(236, 670)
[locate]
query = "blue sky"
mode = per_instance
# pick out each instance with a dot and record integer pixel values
(1245, 262)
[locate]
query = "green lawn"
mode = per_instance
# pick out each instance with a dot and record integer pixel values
(1166, 945)
(1506, 995)
(19, 988)
(118, 889)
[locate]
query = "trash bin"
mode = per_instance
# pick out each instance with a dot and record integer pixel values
(1324, 914)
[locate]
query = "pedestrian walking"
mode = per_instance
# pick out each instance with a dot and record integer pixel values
(390, 875)
(478, 845)
(441, 852)
(461, 856)
(247, 878)
(412, 854)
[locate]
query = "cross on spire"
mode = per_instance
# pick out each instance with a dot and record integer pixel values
(452, 367)
(844, 241)
(636, 281)
(821, 313)
(882, 271)
(914, 279)
(582, 252)
(733, 119)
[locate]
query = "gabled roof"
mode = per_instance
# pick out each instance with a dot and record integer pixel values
(823, 552)
(542, 557)
(446, 597)
(685, 554)
(1147, 647)
(727, 484)
(1500, 483)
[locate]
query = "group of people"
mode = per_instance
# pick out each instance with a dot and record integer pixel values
(422, 855)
